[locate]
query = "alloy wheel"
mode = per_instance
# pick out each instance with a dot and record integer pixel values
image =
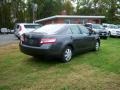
(97, 46)
(67, 54)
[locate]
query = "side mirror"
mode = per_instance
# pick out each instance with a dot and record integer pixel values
(91, 32)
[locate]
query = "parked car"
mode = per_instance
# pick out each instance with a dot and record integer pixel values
(97, 29)
(4, 30)
(10, 31)
(21, 28)
(61, 40)
(113, 30)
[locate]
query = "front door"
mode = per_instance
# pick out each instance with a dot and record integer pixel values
(78, 38)
(88, 39)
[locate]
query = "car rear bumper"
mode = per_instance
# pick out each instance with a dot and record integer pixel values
(45, 51)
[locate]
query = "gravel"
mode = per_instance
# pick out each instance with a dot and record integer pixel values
(7, 38)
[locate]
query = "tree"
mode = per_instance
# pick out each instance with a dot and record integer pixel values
(109, 8)
(11, 11)
(68, 7)
(5, 12)
(84, 7)
(112, 11)
(18, 10)
(46, 8)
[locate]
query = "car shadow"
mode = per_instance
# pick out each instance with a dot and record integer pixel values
(55, 60)
(50, 61)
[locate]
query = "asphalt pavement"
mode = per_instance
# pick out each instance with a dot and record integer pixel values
(7, 38)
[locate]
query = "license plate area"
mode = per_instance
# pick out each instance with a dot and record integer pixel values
(32, 42)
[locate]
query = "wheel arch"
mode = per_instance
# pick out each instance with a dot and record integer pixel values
(69, 45)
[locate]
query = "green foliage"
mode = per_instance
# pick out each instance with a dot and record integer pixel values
(89, 71)
(46, 8)
(18, 11)
(100, 7)
(5, 15)
(68, 7)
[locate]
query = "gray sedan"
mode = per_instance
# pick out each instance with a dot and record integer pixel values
(61, 40)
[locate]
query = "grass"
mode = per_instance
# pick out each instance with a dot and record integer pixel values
(89, 71)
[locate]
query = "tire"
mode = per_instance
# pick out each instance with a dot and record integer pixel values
(67, 54)
(97, 46)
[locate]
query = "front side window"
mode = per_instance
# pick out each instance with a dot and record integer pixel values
(83, 29)
(32, 26)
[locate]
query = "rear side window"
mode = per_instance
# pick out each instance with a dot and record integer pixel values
(32, 26)
(75, 29)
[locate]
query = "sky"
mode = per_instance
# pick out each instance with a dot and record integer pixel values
(25, 1)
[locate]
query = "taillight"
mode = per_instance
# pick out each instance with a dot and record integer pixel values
(20, 28)
(48, 41)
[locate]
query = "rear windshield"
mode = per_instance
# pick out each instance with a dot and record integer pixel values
(32, 26)
(49, 29)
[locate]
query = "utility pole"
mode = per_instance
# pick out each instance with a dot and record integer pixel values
(34, 9)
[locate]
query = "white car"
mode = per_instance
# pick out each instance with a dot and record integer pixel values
(113, 30)
(4, 30)
(22, 28)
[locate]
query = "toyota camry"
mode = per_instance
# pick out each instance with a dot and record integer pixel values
(61, 40)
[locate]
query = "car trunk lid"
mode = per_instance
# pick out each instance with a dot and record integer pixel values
(32, 39)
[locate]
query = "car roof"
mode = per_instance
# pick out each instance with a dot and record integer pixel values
(93, 24)
(64, 24)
